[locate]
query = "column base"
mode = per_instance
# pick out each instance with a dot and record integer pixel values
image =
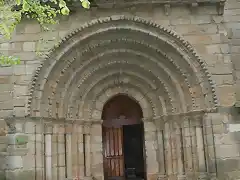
(161, 177)
(84, 178)
(203, 176)
(181, 177)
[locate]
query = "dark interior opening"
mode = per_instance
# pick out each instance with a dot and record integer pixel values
(133, 151)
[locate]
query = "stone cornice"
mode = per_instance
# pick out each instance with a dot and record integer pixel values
(167, 4)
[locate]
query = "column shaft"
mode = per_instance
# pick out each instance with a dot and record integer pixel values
(200, 149)
(168, 149)
(179, 151)
(69, 155)
(161, 157)
(48, 153)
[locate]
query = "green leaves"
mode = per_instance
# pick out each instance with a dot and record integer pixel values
(18, 2)
(65, 11)
(63, 7)
(62, 4)
(6, 30)
(44, 13)
(9, 60)
(25, 6)
(85, 4)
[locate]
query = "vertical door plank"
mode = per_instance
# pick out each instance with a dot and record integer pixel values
(113, 154)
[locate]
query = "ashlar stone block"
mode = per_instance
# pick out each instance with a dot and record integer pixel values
(14, 162)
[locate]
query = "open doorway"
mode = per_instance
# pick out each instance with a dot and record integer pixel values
(133, 151)
(123, 139)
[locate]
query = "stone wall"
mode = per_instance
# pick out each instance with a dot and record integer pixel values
(206, 31)
(215, 38)
(3, 147)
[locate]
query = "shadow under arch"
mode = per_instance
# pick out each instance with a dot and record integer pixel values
(122, 105)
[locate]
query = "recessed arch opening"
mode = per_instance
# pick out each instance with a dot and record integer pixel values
(123, 138)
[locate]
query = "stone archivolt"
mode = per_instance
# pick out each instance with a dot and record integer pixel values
(120, 55)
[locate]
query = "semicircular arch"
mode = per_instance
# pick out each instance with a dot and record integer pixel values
(117, 32)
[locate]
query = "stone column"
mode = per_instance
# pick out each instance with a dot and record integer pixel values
(87, 131)
(192, 128)
(48, 152)
(187, 145)
(209, 143)
(180, 150)
(151, 148)
(200, 147)
(97, 150)
(68, 132)
(168, 152)
(161, 154)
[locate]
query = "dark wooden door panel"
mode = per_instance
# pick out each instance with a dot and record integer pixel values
(113, 152)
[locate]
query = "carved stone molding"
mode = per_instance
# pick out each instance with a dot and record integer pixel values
(86, 94)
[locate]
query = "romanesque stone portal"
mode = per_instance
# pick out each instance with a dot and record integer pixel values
(154, 66)
(56, 127)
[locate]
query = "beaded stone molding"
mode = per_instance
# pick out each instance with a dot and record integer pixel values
(120, 55)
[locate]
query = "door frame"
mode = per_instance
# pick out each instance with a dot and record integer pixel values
(143, 148)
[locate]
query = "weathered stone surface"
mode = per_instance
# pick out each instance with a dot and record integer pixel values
(216, 40)
(14, 162)
(32, 28)
(20, 175)
(226, 95)
(29, 46)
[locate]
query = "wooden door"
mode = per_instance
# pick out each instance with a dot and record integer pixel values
(113, 153)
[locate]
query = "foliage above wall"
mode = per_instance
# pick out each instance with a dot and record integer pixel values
(44, 11)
